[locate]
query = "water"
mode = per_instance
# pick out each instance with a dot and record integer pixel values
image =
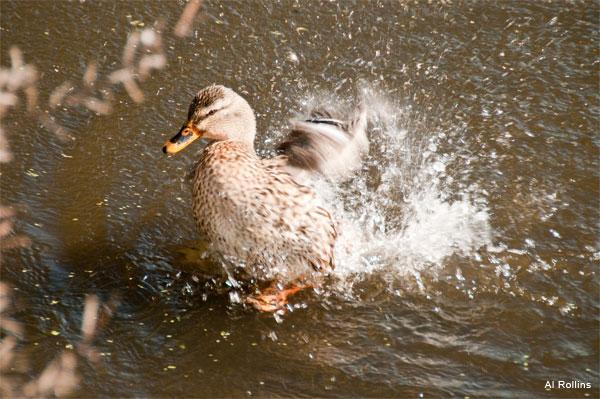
(468, 254)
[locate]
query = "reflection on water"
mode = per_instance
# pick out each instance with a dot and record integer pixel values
(468, 253)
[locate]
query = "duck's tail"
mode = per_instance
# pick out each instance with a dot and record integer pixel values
(324, 143)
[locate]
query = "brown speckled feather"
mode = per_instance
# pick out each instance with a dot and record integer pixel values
(253, 210)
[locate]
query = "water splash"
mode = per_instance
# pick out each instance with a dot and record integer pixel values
(404, 213)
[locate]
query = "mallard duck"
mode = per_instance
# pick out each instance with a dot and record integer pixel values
(252, 210)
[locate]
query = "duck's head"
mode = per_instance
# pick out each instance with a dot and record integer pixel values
(217, 113)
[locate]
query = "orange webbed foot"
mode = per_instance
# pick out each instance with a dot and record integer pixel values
(273, 299)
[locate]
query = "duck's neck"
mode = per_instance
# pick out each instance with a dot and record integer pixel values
(246, 134)
(247, 127)
(246, 145)
(241, 126)
(249, 144)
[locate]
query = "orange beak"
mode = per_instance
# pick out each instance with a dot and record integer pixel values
(186, 135)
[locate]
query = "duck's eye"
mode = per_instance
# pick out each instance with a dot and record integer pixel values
(211, 112)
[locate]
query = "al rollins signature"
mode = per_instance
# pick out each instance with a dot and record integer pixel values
(567, 384)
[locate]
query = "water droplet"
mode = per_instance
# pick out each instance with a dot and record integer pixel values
(234, 297)
(459, 275)
(439, 166)
(293, 57)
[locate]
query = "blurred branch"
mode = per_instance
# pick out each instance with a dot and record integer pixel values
(22, 76)
(184, 25)
(5, 154)
(57, 379)
(7, 218)
(18, 76)
(60, 377)
(57, 95)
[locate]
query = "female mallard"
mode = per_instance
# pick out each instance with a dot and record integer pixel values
(251, 209)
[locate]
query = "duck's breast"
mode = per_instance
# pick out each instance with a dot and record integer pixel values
(252, 209)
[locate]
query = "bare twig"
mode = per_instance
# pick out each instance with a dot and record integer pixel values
(57, 95)
(18, 76)
(125, 76)
(5, 154)
(149, 62)
(184, 25)
(50, 123)
(7, 216)
(8, 99)
(22, 75)
(11, 326)
(129, 52)
(4, 297)
(7, 353)
(98, 106)
(90, 75)
(90, 318)
(58, 378)
(31, 93)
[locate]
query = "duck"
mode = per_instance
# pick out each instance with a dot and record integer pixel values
(258, 212)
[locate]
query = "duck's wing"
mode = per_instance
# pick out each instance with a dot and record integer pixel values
(326, 144)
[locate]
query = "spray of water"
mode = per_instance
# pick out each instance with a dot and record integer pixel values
(401, 215)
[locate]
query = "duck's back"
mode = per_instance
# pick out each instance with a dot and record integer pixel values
(252, 210)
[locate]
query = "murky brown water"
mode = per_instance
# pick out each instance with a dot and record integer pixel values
(468, 263)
